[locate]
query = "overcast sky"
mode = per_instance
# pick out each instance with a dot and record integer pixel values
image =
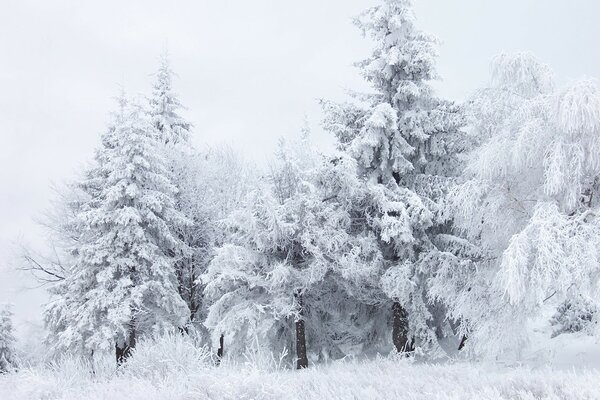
(248, 73)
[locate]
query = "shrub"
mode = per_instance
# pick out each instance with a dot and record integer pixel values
(574, 315)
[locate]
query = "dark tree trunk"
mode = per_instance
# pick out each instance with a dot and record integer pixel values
(220, 350)
(400, 329)
(462, 342)
(124, 352)
(302, 359)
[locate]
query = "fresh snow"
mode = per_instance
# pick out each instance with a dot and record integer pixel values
(372, 380)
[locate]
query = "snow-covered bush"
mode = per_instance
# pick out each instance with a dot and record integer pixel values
(260, 358)
(575, 314)
(169, 355)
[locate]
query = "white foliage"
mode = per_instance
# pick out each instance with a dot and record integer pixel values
(407, 145)
(529, 199)
(165, 106)
(123, 279)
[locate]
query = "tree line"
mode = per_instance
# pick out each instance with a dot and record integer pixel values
(433, 226)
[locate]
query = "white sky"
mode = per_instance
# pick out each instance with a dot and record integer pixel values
(248, 72)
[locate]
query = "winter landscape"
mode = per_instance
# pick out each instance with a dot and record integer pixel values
(315, 226)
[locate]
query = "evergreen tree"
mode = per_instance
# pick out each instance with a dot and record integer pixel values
(7, 341)
(165, 107)
(194, 246)
(123, 283)
(407, 144)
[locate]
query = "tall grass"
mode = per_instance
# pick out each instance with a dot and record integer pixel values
(175, 368)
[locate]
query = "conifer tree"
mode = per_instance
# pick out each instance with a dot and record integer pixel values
(406, 142)
(165, 107)
(183, 164)
(122, 285)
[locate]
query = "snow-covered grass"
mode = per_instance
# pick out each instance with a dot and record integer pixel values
(176, 369)
(368, 380)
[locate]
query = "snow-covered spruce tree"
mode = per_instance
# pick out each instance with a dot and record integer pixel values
(165, 108)
(174, 133)
(407, 144)
(530, 200)
(7, 341)
(263, 281)
(122, 285)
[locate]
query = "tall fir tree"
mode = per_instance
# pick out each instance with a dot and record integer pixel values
(165, 107)
(174, 133)
(407, 144)
(122, 285)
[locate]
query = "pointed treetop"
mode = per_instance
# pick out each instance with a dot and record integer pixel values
(403, 55)
(165, 107)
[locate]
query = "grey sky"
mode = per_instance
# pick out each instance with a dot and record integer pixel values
(248, 72)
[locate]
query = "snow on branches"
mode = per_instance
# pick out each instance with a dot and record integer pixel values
(530, 196)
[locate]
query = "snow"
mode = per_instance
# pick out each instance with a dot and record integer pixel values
(176, 367)
(380, 379)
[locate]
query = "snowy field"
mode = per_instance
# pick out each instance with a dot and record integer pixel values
(370, 380)
(174, 369)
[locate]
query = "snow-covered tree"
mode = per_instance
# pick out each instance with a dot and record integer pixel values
(529, 200)
(174, 135)
(123, 282)
(407, 144)
(7, 341)
(213, 183)
(209, 183)
(264, 282)
(165, 107)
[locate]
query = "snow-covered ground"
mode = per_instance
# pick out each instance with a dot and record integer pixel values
(383, 379)
(173, 368)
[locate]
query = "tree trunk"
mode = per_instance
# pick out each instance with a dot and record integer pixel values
(462, 342)
(220, 350)
(400, 329)
(301, 358)
(124, 352)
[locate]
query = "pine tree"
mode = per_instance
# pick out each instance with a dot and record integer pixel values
(183, 163)
(407, 145)
(123, 283)
(7, 341)
(165, 107)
